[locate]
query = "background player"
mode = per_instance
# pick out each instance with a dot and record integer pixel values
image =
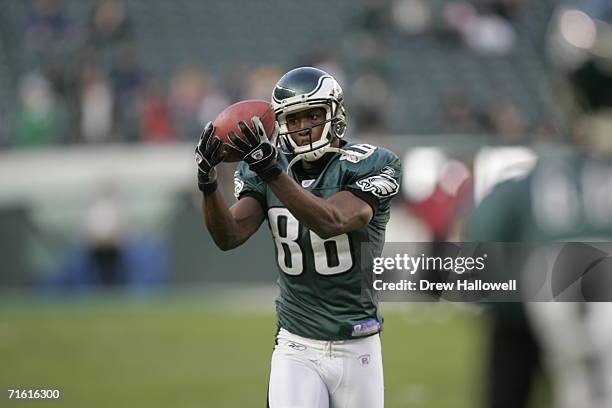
(565, 198)
(327, 209)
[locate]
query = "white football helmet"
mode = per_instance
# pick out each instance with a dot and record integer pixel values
(305, 88)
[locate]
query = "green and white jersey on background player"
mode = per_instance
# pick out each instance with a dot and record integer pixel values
(565, 198)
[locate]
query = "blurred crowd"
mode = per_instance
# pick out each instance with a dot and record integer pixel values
(84, 81)
(499, 117)
(482, 30)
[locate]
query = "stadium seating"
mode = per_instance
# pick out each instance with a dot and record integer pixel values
(218, 36)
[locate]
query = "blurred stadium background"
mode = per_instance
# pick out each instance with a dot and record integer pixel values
(110, 287)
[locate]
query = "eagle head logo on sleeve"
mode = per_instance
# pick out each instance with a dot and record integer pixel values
(381, 185)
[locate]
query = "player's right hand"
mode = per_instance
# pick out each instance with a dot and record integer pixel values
(207, 157)
(255, 149)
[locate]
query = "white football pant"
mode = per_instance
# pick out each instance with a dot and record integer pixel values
(577, 341)
(309, 373)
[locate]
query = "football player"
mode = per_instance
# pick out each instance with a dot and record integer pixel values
(564, 198)
(326, 203)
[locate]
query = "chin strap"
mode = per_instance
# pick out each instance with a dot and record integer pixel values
(352, 156)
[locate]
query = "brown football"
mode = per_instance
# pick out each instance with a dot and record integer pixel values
(227, 121)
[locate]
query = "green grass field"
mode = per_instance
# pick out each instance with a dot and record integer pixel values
(170, 351)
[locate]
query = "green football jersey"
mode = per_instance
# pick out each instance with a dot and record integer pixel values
(322, 291)
(565, 198)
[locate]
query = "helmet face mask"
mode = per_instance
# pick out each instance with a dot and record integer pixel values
(302, 89)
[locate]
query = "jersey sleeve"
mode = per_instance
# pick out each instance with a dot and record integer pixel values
(376, 179)
(247, 184)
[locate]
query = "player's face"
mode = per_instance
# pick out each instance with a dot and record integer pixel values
(304, 120)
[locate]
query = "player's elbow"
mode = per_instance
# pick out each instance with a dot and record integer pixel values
(341, 226)
(327, 230)
(325, 233)
(223, 237)
(339, 220)
(226, 245)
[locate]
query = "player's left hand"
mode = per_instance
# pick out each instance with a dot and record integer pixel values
(255, 149)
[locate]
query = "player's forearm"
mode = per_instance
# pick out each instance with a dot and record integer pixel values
(220, 222)
(317, 214)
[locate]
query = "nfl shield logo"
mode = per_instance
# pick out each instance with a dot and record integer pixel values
(364, 359)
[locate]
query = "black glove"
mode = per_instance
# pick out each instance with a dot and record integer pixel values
(255, 149)
(206, 158)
